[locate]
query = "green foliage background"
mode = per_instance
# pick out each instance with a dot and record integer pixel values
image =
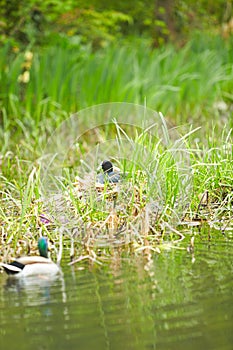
(173, 55)
(99, 22)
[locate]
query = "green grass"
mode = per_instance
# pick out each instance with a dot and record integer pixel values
(186, 84)
(137, 213)
(183, 83)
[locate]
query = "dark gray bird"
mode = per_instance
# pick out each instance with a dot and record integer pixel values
(109, 175)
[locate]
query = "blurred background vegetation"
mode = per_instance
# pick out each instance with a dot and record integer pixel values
(57, 57)
(101, 22)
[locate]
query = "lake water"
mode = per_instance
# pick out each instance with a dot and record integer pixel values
(175, 300)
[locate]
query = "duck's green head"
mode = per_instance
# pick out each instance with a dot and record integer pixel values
(43, 246)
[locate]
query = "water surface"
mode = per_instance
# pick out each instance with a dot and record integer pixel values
(176, 300)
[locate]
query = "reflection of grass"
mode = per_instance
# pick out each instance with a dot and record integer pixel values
(188, 85)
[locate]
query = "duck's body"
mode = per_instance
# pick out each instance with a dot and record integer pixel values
(109, 175)
(33, 265)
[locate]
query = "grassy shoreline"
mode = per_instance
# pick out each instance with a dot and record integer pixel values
(191, 86)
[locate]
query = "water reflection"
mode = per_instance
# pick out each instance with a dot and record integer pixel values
(33, 290)
(158, 301)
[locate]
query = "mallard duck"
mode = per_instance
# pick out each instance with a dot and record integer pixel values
(109, 175)
(33, 265)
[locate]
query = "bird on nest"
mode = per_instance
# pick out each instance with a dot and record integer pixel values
(33, 265)
(109, 174)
